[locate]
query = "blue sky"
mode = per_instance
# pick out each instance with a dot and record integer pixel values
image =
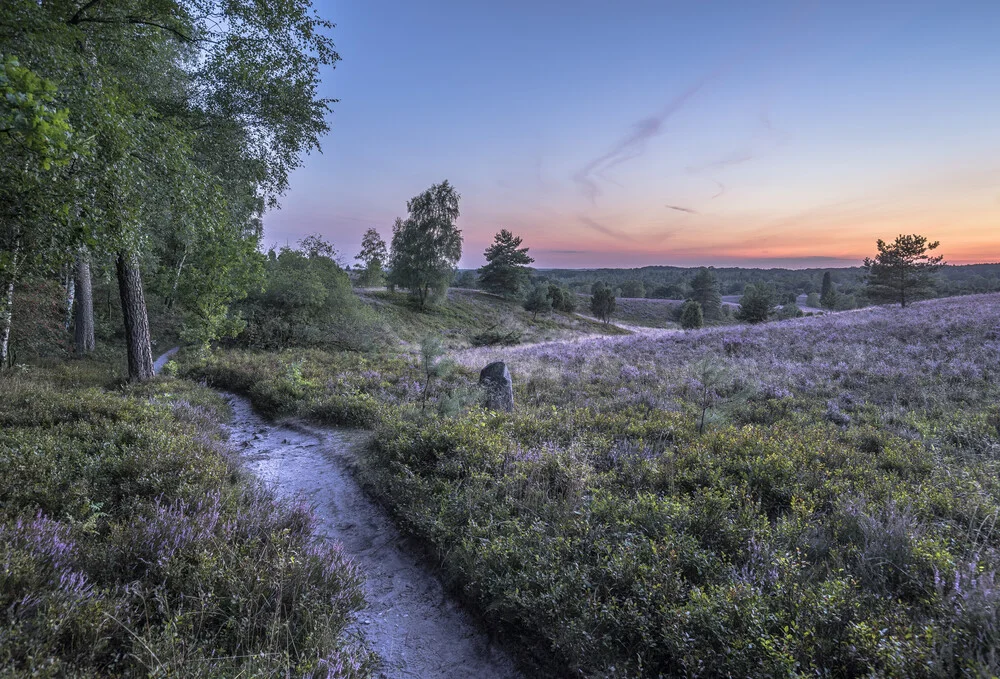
(788, 134)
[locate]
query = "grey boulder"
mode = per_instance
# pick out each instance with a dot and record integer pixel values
(495, 381)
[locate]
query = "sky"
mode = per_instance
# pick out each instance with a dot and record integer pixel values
(628, 133)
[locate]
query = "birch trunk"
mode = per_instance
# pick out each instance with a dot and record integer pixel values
(5, 321)
(7, 313)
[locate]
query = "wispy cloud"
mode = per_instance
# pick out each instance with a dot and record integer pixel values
(682, 209)
(632, 145)
(606, 230)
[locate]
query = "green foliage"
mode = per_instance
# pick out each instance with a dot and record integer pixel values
(790, 310)
(134, 544)
(464, 317)
(633, 288)
(813, 300)
(427, 245)
(602, 302)
(562, 299)
(828, 293)
(306, 301)
(374, 256)
(195, 113)
(902, 270)
(538, 301)
(29, 119)
(756, 304)
(705, 291)
(506, 270)
(691, 315)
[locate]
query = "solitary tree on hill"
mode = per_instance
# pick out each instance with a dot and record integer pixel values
(602, 302)
(373, 255)
(427, 245)
(705, 291)
(506, 271)
(692, 317)
(757, 303)
(828, 294)
(538, 301)
(902, 270)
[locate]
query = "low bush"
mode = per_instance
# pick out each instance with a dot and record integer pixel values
(132, 543)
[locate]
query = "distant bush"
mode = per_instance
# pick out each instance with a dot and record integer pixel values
(691, 315)
(757, 303)
(562, 299)
(538, 301)
(505, 332)
(789, 310)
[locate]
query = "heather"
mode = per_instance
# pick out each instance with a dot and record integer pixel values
(132, 543)
(813, 496)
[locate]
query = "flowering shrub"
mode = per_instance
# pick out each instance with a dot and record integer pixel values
(132, 544)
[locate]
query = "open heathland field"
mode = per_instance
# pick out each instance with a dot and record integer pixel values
(814, 496)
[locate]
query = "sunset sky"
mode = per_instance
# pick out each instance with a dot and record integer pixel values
(678, 133)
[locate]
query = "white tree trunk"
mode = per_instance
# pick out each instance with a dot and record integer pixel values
(5, 321)
(70, 285)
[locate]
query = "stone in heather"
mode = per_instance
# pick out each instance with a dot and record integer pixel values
(495, 381)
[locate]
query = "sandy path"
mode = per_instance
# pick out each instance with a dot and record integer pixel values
(418, 629)
(410, 620)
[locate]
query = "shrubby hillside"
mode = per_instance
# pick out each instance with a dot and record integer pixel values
(800, 497)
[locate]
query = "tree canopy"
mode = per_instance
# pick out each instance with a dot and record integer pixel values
(373, 255)
(757, 303)
(194, 112)
(427, 245)
(506, 271)
(705, 291)
(602, 302)
(902, 270)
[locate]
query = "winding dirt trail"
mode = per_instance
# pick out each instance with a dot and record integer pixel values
(410, 620)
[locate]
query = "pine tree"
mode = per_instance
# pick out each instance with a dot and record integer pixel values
(705, 291)
(756, 304)
(828, 294)
(692, 317)
(902, 269)
(506, 271)
(602, 302)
